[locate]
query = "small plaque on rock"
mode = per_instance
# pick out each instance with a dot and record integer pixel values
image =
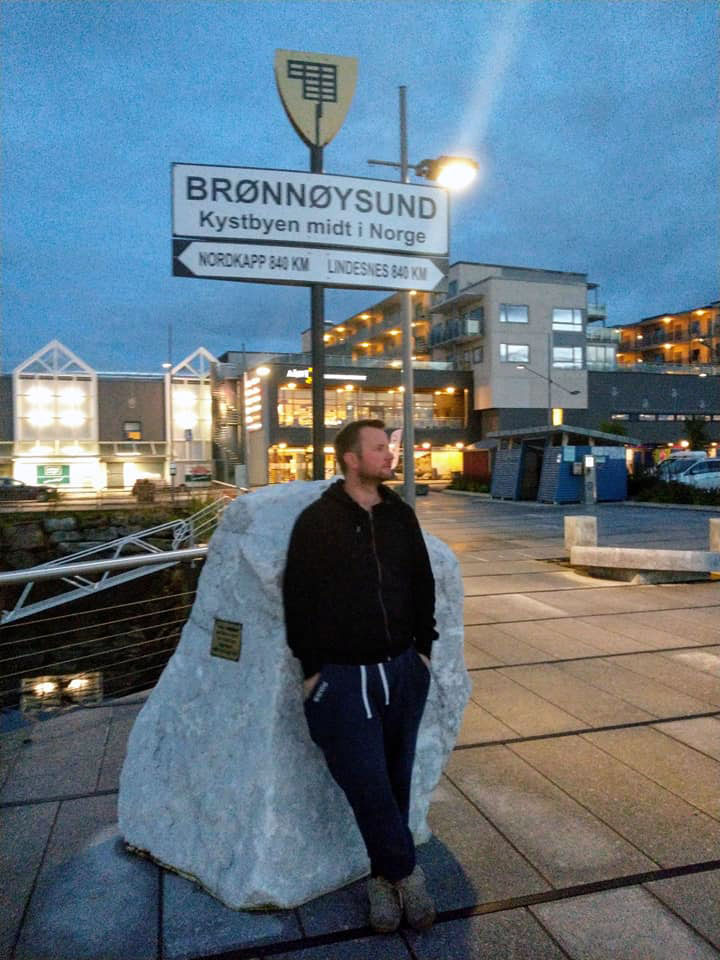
(226, 639)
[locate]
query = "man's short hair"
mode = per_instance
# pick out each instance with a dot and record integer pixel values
(348, 439)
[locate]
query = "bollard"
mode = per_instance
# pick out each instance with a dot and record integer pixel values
(580, 532)
(715, 536)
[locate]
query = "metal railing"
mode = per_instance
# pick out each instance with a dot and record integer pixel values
(604, 334)
(115, 562)
(93, 653)
(699, 369)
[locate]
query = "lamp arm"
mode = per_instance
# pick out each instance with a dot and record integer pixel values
(548, 379)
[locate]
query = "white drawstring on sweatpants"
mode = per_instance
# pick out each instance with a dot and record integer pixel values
(384, 683)
(363, 687)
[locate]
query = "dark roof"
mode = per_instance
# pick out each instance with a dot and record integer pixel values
(541, 431)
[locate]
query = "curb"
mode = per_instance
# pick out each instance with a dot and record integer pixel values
(665, 506)
(609, 503)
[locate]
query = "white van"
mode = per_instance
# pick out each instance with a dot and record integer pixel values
(704, 474)
(678, 463)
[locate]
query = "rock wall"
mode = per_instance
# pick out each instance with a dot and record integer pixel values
(27, 540)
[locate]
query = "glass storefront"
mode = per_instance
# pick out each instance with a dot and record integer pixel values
(286, 464)
(343, 404)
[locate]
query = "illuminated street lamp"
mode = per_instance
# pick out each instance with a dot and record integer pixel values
(452, 173)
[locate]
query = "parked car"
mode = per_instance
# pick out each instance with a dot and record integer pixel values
(678, 463)
(11, 489)
(704, 474)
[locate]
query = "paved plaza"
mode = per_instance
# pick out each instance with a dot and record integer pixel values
(578, 817)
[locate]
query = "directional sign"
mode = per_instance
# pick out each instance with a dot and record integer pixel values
(261, 263)
(291, 207)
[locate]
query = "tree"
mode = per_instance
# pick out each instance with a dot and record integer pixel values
(612, 426)
(696, 432)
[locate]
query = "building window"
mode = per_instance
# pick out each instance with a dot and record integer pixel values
(478, 355)
(452, 288)
(564, 318)
(619, 416)
(513, 313)
(570, 358)
(601, 356)
(647, 416)
(472, 321)
(666, 416)
(132, 430)
(514, 353)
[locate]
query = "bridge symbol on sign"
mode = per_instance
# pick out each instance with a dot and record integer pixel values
(316, 90)
(319, 84)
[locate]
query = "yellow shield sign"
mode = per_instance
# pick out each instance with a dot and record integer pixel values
(316, 90)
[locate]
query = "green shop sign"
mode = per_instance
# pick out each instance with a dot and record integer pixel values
(54, 475)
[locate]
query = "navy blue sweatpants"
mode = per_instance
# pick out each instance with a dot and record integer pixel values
(365, 719)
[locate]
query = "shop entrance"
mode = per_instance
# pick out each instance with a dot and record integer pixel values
(288, 464)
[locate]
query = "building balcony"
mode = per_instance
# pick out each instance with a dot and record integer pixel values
(456, 330)
(603, 334)
(596, 311)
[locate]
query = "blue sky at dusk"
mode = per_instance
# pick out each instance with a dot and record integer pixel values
(595, 122)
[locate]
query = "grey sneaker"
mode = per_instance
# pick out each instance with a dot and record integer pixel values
(417, 902)
(385, 910)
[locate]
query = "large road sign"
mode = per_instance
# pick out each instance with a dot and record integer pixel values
(270, 263)
(308, 209)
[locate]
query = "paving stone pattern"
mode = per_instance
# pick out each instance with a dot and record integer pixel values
(589, 755)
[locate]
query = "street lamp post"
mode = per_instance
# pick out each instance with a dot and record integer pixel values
(549, 380)
(167, 367)
(451, 173)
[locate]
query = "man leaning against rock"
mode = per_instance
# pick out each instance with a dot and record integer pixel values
(359, 606)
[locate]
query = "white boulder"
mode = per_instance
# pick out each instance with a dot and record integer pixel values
(221, 781)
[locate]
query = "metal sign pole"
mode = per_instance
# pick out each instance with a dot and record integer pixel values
(317, 333)
(408, 442)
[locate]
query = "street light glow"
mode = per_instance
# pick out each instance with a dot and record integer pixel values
(456, 173)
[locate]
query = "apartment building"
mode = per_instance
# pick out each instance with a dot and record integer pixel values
(689, 338)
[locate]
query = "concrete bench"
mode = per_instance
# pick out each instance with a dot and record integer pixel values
(638, 564)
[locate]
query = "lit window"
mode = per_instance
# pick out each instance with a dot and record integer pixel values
(564, 318)
(132, 430)
(513, 313)
(514, 353)
(619, 416)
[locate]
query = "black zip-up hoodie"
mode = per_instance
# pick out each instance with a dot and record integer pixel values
(358, 587)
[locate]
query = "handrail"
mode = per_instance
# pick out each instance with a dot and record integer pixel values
(117, 568)
(33, 574)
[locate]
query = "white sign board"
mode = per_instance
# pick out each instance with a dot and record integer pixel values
(292, 207)
(258, 263)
